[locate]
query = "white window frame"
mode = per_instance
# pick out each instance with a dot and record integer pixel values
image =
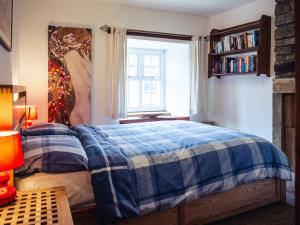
(140, 77)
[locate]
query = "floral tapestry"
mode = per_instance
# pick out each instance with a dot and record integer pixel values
(69, 75)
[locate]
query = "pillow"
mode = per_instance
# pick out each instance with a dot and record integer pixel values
(52, 154)
(48, 129)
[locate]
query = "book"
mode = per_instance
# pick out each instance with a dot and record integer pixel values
(237, 42)
(245, 64)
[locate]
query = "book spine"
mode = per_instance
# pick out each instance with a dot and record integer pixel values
(245, 40)
(237, 42)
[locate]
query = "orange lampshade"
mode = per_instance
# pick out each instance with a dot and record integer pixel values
(31, 113)
(11, 154)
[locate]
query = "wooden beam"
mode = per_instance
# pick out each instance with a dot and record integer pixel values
(154, 34)
(159, 35)
(238, 29)
(297, 172)
(284, 86)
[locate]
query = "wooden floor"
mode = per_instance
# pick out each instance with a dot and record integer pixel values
(276, 214)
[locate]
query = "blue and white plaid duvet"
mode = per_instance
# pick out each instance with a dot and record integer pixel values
(144, 167)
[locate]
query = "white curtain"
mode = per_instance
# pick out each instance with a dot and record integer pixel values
(117, 73)
(198, 70)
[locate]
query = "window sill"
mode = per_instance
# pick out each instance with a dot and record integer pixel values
(151, 119)
(148, 114)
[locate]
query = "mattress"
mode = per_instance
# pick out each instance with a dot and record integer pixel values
(77, 184)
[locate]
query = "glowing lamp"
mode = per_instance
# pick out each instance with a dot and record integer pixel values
(31, 114)
(11, 157)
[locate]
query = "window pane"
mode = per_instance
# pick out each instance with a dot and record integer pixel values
(145, 80)
(155, 65)
(132, 64)
(151, 96)
(147, 65)
(151, 65)
(156, 95)
(146, 93)
(133, 94)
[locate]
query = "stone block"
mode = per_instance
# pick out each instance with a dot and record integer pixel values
(292, 5)
(285, 50)
(282, 59)
(285, 75)
(285, 42)
(282, 8)
(285, 31)
(285, 19)
(284, 68)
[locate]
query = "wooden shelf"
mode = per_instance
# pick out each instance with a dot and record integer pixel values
(236, 29)
(219, 75)
(235, 52)
(262, 51)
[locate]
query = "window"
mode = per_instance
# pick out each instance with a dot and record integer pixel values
(158, 76)
(145, 80)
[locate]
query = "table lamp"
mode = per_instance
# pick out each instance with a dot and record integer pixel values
(11, 157)
(31, 114)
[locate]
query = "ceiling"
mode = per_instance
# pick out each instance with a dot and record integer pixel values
(198, 7)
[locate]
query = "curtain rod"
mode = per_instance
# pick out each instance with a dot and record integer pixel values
(143, 33)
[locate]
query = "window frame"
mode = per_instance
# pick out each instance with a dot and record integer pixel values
(140, 52)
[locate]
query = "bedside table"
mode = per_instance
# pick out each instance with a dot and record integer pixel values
(43, 207)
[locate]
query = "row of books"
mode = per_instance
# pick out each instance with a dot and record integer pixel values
(245, 64)
(237, 42)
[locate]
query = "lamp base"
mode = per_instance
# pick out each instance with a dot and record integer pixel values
(7, 192)
(28, 123)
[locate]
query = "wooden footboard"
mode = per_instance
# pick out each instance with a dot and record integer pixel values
(205, 210)
(232, 202)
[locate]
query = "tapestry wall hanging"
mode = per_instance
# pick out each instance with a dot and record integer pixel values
(69, 75)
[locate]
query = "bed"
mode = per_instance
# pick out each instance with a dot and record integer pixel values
(167, 165)
(125, 160)
(172, 170)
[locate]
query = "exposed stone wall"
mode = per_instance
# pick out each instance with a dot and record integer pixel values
(284, 112)
(284, 89)
(285, 39)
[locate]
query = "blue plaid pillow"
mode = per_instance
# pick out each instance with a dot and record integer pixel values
(52, 154)
(48, 129)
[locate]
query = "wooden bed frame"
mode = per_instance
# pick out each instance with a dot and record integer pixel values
(204, 210)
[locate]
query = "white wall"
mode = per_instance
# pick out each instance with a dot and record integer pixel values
(243, 102)
(36, 15)
(178, 80)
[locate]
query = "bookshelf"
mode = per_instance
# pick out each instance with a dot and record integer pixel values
(241, 50)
